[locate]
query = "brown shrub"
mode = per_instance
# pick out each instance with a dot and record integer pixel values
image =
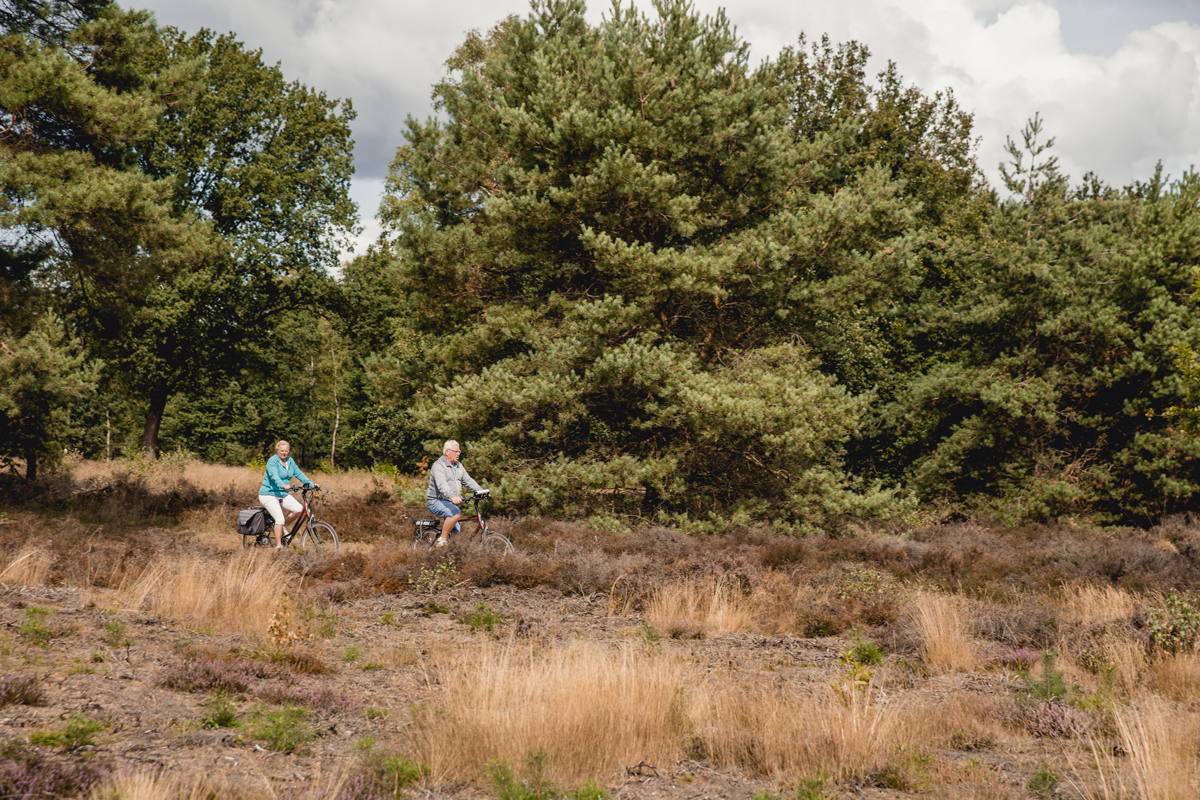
(514, 569)
(389, 568)
(785, 553)
(1026, 621)
(343, 566)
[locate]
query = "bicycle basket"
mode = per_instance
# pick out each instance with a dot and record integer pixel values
(252, 521)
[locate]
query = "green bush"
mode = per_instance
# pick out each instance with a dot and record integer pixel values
(286, 729)
(1175, 628)
(80, 731)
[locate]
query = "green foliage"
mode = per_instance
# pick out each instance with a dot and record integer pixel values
(531, 784)
(34, 630)
(589, 791)
(80, 731)
(115, 634)
(650, 634)
(1175, 628)
(1044, 782)
(631, 306)
(812, 788)
(863, 652)
(42, 375)
(1056, 355)
(431, 579)
(392, 773)
(222, 711)
(482, 618)
(905, 770)
(1050, 685)
(286, 729)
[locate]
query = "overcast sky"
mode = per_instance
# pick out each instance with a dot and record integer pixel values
(1117, 81)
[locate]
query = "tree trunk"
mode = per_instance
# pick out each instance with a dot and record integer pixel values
(158, 403)
(31, 459)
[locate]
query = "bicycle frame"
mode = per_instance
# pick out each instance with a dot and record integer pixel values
(302, 521)
(482, 534)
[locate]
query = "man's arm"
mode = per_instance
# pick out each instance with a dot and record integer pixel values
(470, 483)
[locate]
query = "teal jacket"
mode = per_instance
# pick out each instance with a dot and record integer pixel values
(279, 476)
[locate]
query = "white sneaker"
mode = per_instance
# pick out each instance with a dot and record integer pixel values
(441, 541)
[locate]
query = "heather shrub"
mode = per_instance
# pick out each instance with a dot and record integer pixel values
(297, 657)
(1047, 719)
(785, 553)
(321, 698)
(30, 774)
(514, 569)
(381, 775)
(16, 690)
(207, 673)
(1019, 659)
(392, 566)
(1030, 622)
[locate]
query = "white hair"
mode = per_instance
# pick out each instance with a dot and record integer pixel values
(449, 443)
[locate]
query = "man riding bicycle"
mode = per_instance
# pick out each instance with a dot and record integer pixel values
(446, 479)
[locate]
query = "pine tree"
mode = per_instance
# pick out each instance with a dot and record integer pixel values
(623, 259)
(1057, 359)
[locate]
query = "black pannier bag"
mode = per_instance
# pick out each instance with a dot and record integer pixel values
(252, 521)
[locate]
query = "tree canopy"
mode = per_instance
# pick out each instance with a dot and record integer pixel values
(636, 275)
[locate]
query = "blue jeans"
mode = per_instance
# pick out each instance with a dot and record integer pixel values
(444, 509)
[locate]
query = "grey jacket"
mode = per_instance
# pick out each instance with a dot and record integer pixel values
(446, 481)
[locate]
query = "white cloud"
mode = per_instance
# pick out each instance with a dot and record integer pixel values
(1117, 83)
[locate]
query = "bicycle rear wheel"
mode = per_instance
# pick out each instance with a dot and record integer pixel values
(425, 536)
(497, 543)
(254, 540)
(320, 538)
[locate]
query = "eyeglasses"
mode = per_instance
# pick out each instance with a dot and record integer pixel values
(454, 451)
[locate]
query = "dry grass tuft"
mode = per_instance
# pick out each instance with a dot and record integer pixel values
(159, 785)
(236, 594)
(711, 605)
(946, 644)
(1176, 677)
(1161, 746)
(29, 568)
(775, 731)
(590, 709)
(1092, 604)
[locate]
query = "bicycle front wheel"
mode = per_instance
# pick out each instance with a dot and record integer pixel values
(497, 543)
(320, 538)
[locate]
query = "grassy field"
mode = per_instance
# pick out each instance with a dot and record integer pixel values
(143, 653)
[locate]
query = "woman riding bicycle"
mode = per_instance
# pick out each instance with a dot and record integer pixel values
(446, 479)
(274, 492)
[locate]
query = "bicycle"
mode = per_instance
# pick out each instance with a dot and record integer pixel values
(427, 531)
(320, 537)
